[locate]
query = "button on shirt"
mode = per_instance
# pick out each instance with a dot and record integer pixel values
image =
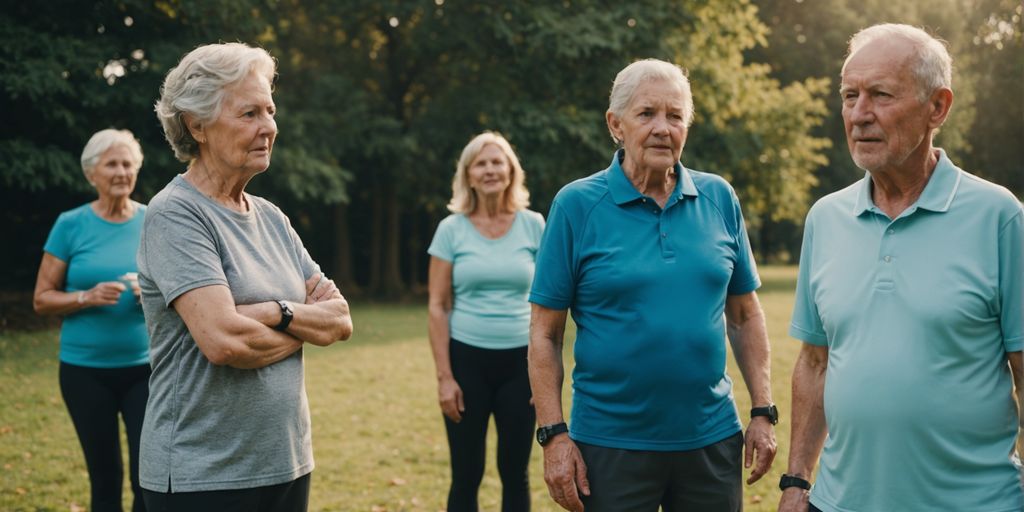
(647, 289)
(918, 313)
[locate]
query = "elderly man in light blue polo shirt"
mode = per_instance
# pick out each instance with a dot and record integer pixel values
(909, 303)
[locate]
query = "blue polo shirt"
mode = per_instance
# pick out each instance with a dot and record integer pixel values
(647, 289)
(918, 313)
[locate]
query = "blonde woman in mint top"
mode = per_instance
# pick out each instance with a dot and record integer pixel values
(87, 276)
(481, 267)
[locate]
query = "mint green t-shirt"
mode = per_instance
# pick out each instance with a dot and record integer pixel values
(918, 314)
(490, 279)
(96, 250)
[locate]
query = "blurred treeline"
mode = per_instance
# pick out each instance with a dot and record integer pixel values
(377, 97)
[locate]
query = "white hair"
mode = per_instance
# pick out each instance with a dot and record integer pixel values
(931, 64)
(648, 70)
(103, 140)
(196, 87)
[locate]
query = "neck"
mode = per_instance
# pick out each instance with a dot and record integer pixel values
(893, 191)
(656, 184)
(114, 208)
(489, 206)
(226, 188)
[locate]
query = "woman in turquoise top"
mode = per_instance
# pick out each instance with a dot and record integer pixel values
(88, 276)
(481, 267)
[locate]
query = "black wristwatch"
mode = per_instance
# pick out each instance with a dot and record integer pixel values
(286, 315)
(770, 411)
(788, 481)
(547, 432)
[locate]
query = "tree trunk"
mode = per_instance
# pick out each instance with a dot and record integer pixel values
(391, 271)
(376, 230)
(343, 253)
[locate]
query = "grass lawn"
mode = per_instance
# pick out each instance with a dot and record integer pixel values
(378, 436)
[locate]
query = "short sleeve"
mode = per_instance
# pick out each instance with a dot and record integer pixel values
(442, 245)
(1011, 282)
(178, 253)
(744, 276)
(58, 243)
(536, 226)
(554, 278)
(806, 323)
(306, 262)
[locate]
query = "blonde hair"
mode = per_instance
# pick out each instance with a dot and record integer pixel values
(196, 87)
(103, 140)
(464, 199)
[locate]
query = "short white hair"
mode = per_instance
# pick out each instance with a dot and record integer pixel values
(931, 64)
(196, 87)
(648, 70)
(103, 140)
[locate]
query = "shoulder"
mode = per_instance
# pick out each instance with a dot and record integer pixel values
(982, 193)
(584, 192)
(174, 195)
(451, 222)
(75, 215)
(841, 201)
(532, 218)
(713, 186)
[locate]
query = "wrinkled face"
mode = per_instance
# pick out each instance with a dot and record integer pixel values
(885, 120)
(652, 127)
(242, 136)
(490, 172)
(115, 172)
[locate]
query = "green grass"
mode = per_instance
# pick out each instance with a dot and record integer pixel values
(378, 437)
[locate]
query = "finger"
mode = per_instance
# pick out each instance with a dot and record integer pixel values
(748, 451)
(581, 476)
(459, 402)
(312, 282)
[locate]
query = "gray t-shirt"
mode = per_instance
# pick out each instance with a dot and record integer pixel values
(215, 427)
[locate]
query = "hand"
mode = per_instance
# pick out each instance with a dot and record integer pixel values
(132, 278)
(104, 294)
(319, 289)
(794, 499)
(565, 473)
(760, 439)
(449, 395)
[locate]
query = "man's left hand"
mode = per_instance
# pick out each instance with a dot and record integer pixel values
(759, 439)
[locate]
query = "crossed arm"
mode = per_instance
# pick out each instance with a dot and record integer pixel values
(243, 336)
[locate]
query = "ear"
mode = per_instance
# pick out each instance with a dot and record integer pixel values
(939, 103)
(195, 128)
(614, 125)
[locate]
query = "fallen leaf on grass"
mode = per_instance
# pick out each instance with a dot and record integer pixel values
(397, 481)
(21, 491)
(6, 429)
(378, 508)
(75, 507)
(756, 498)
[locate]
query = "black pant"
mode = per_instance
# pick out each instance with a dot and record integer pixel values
(94, 398)
(492, 381)
(287, 497)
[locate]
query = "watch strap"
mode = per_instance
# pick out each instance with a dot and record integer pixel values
(286, 315)
(788, 481)
(547, 432)
(770, 411)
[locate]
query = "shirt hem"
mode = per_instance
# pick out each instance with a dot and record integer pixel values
(656, 446)
(804, 335)
(225, 485)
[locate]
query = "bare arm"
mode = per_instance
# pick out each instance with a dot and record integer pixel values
(808, 422)
(322, 320)
(49, 297)
(227, 337)
(749, 339)
(1017, 368)
(439, 307)
(564, 470)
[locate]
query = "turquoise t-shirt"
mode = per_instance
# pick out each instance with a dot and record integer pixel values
(490, 279)
(647, 287)
(918, 314)
(97, 250)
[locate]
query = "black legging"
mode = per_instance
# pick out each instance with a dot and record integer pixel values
(94, 397)
(492, 381)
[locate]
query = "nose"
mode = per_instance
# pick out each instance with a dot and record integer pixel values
(860, 112)
(269, 126)
(660, 126)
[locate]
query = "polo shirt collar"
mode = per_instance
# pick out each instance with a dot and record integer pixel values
(937, 195)
(623, 191)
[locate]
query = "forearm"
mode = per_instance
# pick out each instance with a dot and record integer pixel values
(808, 429)
(440, 341)
(248, 344)
(748, 336)
(545, 366)
(57, 302)
(321, 323)
(1017, 370)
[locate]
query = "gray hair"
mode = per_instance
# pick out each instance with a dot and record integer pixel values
(196, 87)
(464, 199)
(931, 65)
(103, 140)
(648, 70)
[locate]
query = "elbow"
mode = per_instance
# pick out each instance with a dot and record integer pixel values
(341, 330)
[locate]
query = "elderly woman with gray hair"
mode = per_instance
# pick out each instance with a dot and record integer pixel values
(88, 276)
(231, 297)
(649, 255)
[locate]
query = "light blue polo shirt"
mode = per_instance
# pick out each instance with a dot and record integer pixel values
(918, 314)
(647, 289)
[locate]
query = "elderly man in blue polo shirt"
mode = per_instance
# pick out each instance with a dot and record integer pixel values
(909, 303)
(649, 255)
